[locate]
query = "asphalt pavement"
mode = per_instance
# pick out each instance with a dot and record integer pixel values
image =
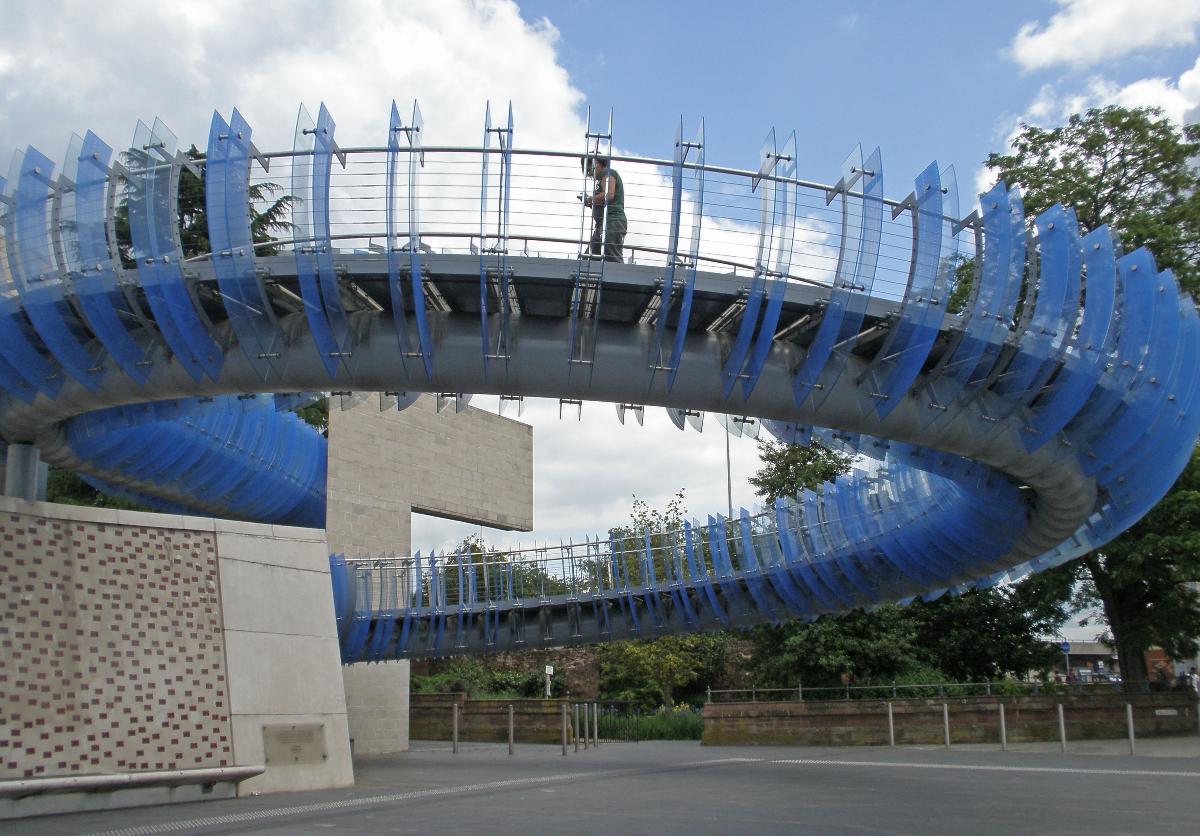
(675, 787)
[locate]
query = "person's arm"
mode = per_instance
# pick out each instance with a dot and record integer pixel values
(605, 194)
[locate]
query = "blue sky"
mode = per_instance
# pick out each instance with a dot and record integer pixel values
(924, 81)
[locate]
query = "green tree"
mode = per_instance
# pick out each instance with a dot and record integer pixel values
(650, 671)
(1130, 169)
(790, 468)
(982, 634)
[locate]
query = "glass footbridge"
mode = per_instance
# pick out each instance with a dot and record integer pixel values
(1016, 391)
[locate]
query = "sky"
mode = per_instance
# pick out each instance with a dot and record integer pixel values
(934, 80)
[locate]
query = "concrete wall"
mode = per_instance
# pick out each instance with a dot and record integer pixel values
(377, 704)
(135, 641)
(285, 672)
(383, 466)
(972, 720)
(473, 466)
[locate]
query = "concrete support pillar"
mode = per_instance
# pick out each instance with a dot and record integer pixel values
(25, 475)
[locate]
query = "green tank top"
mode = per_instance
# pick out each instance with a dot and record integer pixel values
(616, 209)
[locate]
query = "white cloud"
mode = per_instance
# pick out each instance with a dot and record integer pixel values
(1083, 33)
(586, 473)
(1179, 100)
(105, 66)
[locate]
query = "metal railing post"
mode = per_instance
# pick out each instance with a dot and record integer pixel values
(1062, 728)
(510, 728)
(587, 724)
(595, 724)
(564, 729)
(891, 727)
(946, 723)
(800, 690)
(1003, 730)
(1129, 724)
(576, 729)
(893, 689)
(708, 694)
(454, 730)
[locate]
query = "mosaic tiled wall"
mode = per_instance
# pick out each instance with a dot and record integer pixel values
(111, 652)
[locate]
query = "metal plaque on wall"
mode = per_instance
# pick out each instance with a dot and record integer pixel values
(299, 743)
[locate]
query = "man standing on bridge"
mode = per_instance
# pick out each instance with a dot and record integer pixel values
(607, 198)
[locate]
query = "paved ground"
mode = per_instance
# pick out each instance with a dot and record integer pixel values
(662, 788)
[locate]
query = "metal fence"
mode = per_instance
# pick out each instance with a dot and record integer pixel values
(935, 690)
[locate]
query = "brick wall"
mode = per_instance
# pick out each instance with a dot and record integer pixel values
(112, 657)
(484, 721)
(972, 720)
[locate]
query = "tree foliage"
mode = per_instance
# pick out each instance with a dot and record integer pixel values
(652, 671)
(1128, 168)
(790, 468)
(1135, 171)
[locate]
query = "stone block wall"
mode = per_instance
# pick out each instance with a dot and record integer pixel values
(485, 721)
(972, 720)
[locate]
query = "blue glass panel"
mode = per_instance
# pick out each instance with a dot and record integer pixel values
(26, 369)
(689, 283)
(912, 334)
(305, 244)
(1136, 287)
(416, 161)
(784, 225)
(331, 294)
(484, 290)
(36, 276)
(970, 364)
(775, 200)
(1086, 357)
(393, 213)
(94, 277)
(1149, 387)
(846, 279)
(227, 202)
(151, 203)
(666, 293)
(699, 570)
(1027, 372)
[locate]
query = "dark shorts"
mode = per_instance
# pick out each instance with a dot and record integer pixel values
(615, 242)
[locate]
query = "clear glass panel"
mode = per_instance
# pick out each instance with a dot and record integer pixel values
(151, 204)
(694, 183)
(854, 280)
(484, 289)
(393, 215)
(331, 295)
(305, 245)
(912, 334)
(95, 284)
(416, 160)
(784, 222)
